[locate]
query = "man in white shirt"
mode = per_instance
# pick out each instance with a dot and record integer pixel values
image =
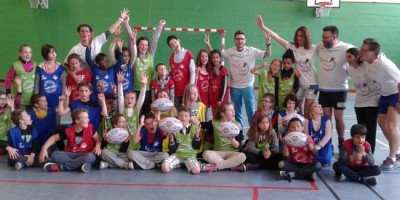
(241, 59)
(386, 78)
(332, 81)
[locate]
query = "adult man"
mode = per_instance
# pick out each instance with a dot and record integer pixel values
(386, 77)
(241, 59)
(87, 38)
(183, 68)
(333, 76)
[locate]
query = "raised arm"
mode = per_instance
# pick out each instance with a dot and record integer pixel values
(155, 37)
(142, 93)
(124, 13)
(255, 70)
(271, 33)
(111, 49)
(207, 42)
(137, 137)
(120, 92)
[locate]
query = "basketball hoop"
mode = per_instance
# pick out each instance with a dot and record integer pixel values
(44, 4)
(323, 9)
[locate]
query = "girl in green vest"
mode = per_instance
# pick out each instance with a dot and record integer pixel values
(288, 81)
(24, 69)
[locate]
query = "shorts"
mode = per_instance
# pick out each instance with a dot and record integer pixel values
(386, 101)
(307, 91)
(174, 162)
(337, 100)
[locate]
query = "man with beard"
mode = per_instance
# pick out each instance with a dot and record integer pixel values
(333, 76)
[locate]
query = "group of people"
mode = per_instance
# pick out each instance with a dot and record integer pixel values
(101, 96)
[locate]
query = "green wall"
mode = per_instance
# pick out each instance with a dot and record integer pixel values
(20, 24)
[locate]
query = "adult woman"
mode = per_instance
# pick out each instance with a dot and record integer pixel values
(304, 53)
(367, 98)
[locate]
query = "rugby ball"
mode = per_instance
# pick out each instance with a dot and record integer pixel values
(228, 129)
(162, 104)
(170, 125)
(117, 136)
(296, 139)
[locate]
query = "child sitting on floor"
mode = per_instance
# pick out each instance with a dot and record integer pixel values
(300, 164)
(23, 143)
(356, 162)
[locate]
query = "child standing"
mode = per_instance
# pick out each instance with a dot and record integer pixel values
(103, 73)
(219, 90)
(203, 77)
(50, 79)
(288, 81)
(75, 66)
(83, 144)
(23, 144)
(114, 155)
(225, 154)
(150, 137)
(24, 68)
(162, 82)
(300, 164)
(261, 149)
(268, 81)
(356, 162)
(183, 145)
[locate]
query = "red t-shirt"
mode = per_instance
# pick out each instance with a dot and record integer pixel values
(85, 75)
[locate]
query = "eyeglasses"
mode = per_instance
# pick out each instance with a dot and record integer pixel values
(327, 37)
(240, 38)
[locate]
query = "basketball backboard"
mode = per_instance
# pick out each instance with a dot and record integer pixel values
(315, 3)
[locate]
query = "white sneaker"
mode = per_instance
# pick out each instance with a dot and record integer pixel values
(129, 165)
(18, 166)
(103, 165)
(86, 167)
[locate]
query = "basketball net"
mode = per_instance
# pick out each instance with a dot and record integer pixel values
(44, 4)
(323, 10)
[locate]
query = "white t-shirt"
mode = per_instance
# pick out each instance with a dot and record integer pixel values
(385, 75)
(305, 63)
(97, 43)
(367, 93)
(333, 67)
(240, 64)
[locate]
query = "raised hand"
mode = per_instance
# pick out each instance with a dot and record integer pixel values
(124, 13)
(206, 39)
(267, 38)
(144, 78)
(120, 76)
(118, 31)
(68, 91)
(260, 21)
(162, 23)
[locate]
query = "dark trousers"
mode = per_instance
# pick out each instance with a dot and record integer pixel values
(22, 159)
(354, 173)
(301, 170)
(368, 116)
(270, 163)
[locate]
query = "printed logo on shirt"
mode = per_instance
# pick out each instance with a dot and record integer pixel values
(49, 86)
(328, 64)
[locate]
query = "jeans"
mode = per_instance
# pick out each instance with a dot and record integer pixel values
(249, 101)
(355, 172)
(72, 161)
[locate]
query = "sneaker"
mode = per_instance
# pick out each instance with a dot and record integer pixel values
(51, 167)
(342, 178)
(239, 168)
(18, 166)
(205, 167)
(370, 180)
(250, 166)
(129, 165)
(284, 175)
(86, 167)
(398, 157)
(389, 164)
(103, 165)
(312, 177)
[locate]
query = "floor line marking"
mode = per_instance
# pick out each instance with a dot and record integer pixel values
(153, 185)
(382, 143)
(255, 193)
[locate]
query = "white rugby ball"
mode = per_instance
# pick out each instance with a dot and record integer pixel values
(162, 104)
(117, 136)
(228, 129)
(296, 139)
(170, 125)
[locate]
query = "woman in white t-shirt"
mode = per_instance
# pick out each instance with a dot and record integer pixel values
(367, 97)
(304, 53)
